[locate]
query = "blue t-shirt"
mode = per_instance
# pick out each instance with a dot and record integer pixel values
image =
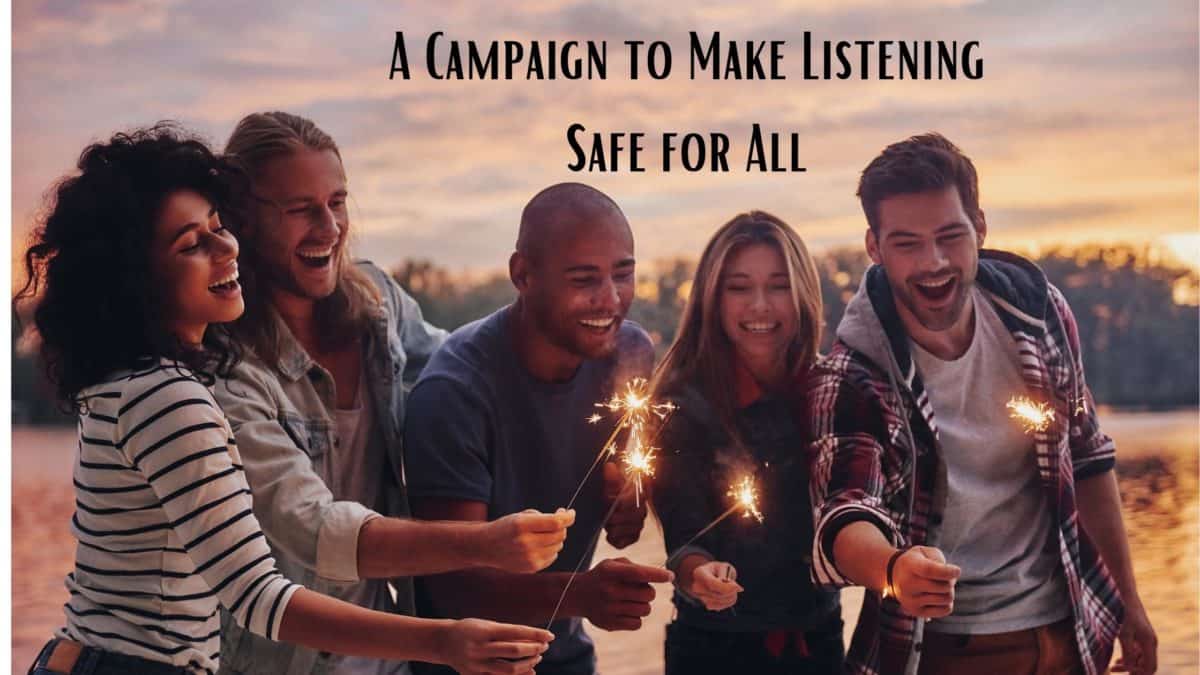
(481, 428)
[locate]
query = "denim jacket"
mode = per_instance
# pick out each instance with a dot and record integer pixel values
(282, 416)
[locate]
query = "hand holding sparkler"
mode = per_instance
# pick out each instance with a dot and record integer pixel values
(712, 582)
(616, 594)
(922, 582)
(525, 542)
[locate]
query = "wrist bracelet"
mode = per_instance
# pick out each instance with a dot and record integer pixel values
(890, 589)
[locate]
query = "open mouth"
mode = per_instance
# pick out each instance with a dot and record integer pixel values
(228, 284)
(316, 257)
(599, 325)
(936, 290)
(759, 327)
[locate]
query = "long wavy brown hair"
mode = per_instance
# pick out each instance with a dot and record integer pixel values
(342, 316)
(702, 355)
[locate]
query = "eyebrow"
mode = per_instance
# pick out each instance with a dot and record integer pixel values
(941, 230)
(306, 200)
(627, 262)
(747, 276)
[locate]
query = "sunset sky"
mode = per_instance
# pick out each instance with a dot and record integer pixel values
(1084, 126)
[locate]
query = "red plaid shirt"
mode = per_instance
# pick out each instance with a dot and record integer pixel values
(864, 466)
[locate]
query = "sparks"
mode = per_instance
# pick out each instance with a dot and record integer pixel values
(639, 464)
(635, 404)
(636, 407)
(1034, 416)
(746, 496)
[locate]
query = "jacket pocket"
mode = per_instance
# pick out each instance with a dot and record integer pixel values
(311, 436)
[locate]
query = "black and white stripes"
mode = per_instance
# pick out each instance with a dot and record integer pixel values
(164, 523)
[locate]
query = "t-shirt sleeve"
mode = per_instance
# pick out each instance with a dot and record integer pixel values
(172, 432)
(446, 443)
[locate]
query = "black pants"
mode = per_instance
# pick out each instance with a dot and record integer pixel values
(695, 651)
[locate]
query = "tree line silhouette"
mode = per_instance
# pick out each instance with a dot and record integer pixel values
(1137, 311)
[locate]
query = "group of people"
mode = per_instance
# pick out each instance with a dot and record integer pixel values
(283, 467)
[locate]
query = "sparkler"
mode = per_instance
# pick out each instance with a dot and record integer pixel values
(1034, 416)
(745, 497)
(636, 408)
(639, 462)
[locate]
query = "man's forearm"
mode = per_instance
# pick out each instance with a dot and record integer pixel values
(1099, 503)
(504, 596)
(399, 547)
(861, 553)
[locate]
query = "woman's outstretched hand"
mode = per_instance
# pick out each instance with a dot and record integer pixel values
(478, 647)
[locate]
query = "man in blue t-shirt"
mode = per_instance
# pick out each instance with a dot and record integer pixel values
(497, 424)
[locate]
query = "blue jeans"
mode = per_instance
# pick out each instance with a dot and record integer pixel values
(93, 661)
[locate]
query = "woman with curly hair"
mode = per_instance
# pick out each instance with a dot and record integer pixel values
(134, 271)
(750, 331)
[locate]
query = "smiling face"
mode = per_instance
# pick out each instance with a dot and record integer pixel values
(194, 262)
(302, 224)
(756, 307)
(580, 287)
(929, 248)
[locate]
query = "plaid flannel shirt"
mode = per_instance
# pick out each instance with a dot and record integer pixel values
(875, 454)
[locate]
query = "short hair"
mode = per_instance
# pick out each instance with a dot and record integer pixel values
(557, 207)
(918, 164)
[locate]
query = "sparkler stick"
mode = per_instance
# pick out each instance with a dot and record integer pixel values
(745, 497)
(575, 572)
(1034, 416)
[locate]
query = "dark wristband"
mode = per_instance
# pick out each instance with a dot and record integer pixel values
(890, 589)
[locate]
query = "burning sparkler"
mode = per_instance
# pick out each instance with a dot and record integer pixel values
(639, 463)
(745, 497)
(636, 408)
(1033, 415)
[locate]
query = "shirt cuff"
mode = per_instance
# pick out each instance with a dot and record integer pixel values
(337, 540)
(676, 559)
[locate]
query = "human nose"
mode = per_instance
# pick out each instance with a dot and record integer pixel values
(758, 301)
(326, 219)
(608, 296)
(225, 246)
(934, 258)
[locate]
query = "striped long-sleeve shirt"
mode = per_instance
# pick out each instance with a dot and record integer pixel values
(165, 527)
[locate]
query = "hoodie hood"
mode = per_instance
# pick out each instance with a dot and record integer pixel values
(871, 324)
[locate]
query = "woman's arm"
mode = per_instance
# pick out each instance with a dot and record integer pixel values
(470, 646)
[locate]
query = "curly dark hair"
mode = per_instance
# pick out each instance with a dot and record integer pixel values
(99, 310)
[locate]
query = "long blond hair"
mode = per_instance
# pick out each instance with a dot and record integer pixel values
(702, 355)
(256, 140)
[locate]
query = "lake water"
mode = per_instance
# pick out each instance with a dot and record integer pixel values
(1158, 470)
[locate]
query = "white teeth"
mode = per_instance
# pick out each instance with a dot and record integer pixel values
(598, 323)
(935, 285)
(760, 326)
(232, 277)
(315, 252)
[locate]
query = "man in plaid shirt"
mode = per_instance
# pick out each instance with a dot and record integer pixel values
(987, 543)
